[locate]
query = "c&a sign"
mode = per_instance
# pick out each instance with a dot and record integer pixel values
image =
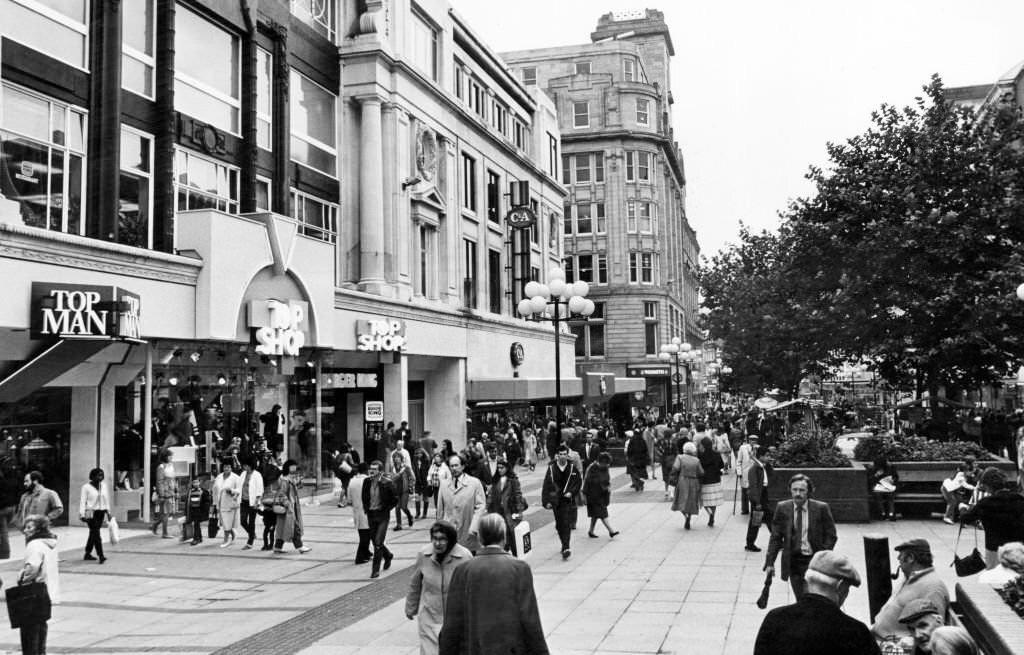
(280, 327)
(84, 311)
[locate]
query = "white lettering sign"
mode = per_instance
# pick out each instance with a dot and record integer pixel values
(283, 335)
(380, 335)
(74, 314)
(374, 411)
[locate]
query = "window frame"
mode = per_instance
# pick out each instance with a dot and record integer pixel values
(147, 175)
(602, 269)
(576, 104)
(419, 19)
(189, 154)
(493, 196)
(330, 27)
(582, 64)
(528, 80)
(330, 149)
(469, 190)
(267, 118)
(148, 61)
(470, 263)
(579, 219)
(651, 322)
(600, 218)
(629, 68)
(326, 234)
(643, 115)
(202, 87)
(64, 21)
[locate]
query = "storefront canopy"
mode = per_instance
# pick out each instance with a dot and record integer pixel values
(941, 400)
(53, 362)
(532, 389)
(797, 402)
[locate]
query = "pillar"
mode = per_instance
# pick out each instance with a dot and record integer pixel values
(104, 137)
(371, 198)
(92, 441)
(396, 391)
(444, 402)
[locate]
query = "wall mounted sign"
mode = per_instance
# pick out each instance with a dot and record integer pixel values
(520, 217)
(84, 311)
(640, 371)
(517, 353)
(380, 335)
(368, 380)
(374, 411)
(279, 327)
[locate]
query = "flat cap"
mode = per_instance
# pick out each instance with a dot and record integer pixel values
(915, 546)
(917, 608)
(834, 565)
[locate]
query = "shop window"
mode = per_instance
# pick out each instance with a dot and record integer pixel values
(58, 28)
(312, 125)
(581, 114)
(264, 98)
(424, 44)
(318, 14)
(138, 25)
(202, 183)
(206, 71)
(317, 218)
(42, 151)
(135, 201)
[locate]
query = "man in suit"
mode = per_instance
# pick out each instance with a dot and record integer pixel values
(815, 624)
(589, 450)
(756, 482)
(800, 528)
(492, 606)
(379, 498)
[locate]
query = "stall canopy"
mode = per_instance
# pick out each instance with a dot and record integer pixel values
(798, 403)
(941, 400)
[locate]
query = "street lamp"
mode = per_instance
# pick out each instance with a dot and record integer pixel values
(544, 302)
(678, 351)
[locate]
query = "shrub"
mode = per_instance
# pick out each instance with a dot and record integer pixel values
(918, 449)
(805, 449)
(1012, 594)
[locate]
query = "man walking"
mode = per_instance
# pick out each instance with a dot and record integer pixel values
(38, 500)
(492, 607)
(815, 624)
(800, 528)
(756, 483)
(744, 459)
(462, 501)
(359, 519)
(561, 484)
(920, 582)
(379, 498)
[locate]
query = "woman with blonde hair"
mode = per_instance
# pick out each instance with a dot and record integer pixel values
(950, 640)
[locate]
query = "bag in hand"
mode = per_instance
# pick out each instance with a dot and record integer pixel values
(756, 517)
(212, 527)
(28, 604)
(114, 531)
(973, 563)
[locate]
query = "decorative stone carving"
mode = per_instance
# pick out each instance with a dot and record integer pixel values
(426, 152)
(375, 19)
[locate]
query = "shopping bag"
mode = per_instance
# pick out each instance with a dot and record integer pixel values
(521, 534)
(114, 531)
(211, 529)
(28, 604)
(336, 487)
(973, 563)
(756, 517)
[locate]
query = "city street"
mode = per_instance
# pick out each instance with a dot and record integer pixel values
(655, 588)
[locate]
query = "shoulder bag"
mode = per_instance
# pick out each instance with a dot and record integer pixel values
(973, 563)
(28, 604)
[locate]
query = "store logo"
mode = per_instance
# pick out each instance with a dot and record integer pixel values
(84, 311)
(280, 327)
(380, 335)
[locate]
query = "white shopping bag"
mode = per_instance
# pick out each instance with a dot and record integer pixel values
(114, 530)
(521, 534)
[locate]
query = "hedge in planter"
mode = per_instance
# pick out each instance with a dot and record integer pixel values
(919, 449)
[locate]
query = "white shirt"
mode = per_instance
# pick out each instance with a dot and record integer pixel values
(93, 499)
(805, 544)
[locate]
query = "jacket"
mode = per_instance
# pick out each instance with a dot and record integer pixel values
(463, 506)
(41, 566)
(388, 494)
(925, 583)
(597, 488)
(558, 483)
(428, 591)
(255, 487)
(1002, 516)
(93, 499)
(41, 501)
(813, 625)
(492, 608)
(355, 499)
(506, 499)
(821, 531)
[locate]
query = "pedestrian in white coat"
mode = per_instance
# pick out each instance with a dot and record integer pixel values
(359, 520)
(462, 501)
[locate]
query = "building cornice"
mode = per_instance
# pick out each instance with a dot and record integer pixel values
(72, 251)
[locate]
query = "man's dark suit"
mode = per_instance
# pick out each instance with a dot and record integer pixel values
(378, 519)
(586, 459)
(758, 497)
(813, 625)
(821, 535)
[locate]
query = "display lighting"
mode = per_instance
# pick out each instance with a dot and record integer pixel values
(221, 379)
(173, 380)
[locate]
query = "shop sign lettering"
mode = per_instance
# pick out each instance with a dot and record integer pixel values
(85, 311)
(355, 380)
(380, 335)
(279, 327)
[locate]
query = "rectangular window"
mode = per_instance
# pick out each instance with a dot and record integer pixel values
(567, 210)
(582, 68)
(203, 183)
(582, 168)
(318, 14)
(138, 23)
(595, 327)
(206, 71)
(554, 234)
(499, 117)
(518, 134)
(630, 166)
(569, 266)
(493, 197)
(599, 215)
(494, 281)
(264, 97)
(552, 156)
(535, 228)
(57, 27)
(317, 218)
(643, 166)
(631, 216)
(602, 269)
(529, 75)
(599, 167)
(634, 263)
(629, 69)
(262, 194)
(42, 155)
(427, 261)
(134, 205)
(644, 223)
(469, 281)
(581, 114)
(534, 274)
(586, 268)
(566, 170)
(468, 182)
(642, 110)
(650, 328)
(583, 223)
(460, 80)
(424, 44)
(312, 125)
(646, 267)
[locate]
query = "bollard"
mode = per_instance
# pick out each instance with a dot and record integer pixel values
(878, 571)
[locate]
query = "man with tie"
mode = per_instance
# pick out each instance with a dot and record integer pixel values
(801, 527)
(589, 450)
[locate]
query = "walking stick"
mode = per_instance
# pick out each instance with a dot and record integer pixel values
(735, 493)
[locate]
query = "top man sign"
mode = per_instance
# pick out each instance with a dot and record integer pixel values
(84, 311)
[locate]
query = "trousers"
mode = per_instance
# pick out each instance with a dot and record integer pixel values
(95, 540)
(563, 521)
(248, 520)
(378, 520)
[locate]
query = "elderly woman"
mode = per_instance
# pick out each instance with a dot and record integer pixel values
(1001, 513)
(288, 509)
(687, 472)
(40, 566)
(1010, 558)
(951, 640)
(711, 479)
(431, 579)
(597, 490)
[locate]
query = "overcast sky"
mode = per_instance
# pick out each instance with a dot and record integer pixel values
(761, 86)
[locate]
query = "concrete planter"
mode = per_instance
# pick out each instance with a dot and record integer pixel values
(844, 489)
(997, 628)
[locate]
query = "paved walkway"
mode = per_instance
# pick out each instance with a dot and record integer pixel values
(655, 588)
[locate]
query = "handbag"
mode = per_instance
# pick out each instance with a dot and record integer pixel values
(973, 563)
(345, 467)
(211, 527)
(756, 518)
(113, 531)
(521, 534)
(673, 475)
(885, 485)
(28, 604)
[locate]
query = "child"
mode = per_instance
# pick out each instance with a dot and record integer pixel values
(198, 509)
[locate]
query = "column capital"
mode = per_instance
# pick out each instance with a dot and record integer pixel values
(368, 99)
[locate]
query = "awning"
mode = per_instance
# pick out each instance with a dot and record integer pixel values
(941, 400)
(521, 389)
(56, 360)
(809, 402)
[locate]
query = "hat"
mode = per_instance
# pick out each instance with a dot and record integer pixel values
(754, 437)
(915, 546)
(917, 608)
(834, 565)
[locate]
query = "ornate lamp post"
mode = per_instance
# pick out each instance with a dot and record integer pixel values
(678, 351)
(556, 301)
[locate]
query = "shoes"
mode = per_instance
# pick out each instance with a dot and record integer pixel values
(398, 527)
(363, 560)
(387, 561)
(892, 517)
(166, 536)
(225, 544)
(375, 574)
(341, 505)
(195, 542)
(154, 527)
(948, 521)
(266, 548)
(89, 558)
(103, 559)
(304, 549)
(278, 551)
(592, 535)
(687, 524)
(247, 547)
(566, 554)
(752, 548)
(611, 535)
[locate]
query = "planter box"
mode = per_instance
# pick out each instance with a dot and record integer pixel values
(997, 628)
(844, 489)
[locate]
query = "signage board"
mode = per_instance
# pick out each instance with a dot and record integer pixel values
(374, 411)
(651, 371)
(279, 328)
(86, 311)
(516, 353)
(380, 335)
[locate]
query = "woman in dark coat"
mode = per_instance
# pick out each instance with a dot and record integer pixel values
(1001, 513)
(711, 479)
(597, 490)
(637, 458)
(505, 497)
(420, 471)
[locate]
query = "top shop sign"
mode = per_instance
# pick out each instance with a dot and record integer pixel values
(380, 335)
(84, 311)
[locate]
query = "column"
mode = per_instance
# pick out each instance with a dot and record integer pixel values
(92, 441)
(104, 140)
(396, 391)
(371, 198)
(445, 401)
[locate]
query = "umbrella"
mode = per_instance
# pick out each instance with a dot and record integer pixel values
(762, 601)
(765, 402)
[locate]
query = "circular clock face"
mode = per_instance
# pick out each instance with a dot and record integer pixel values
(426, 154)
(517, 353)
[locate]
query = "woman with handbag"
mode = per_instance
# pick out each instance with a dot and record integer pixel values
(505, 497)
(227, 489)
(597, 490)
(289, 513)
(883, 480)
(1001, 513)
(93, 509)
(40, 567)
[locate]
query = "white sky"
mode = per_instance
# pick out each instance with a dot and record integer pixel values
(761, 86)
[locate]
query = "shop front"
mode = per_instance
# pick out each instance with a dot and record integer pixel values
(656, 396)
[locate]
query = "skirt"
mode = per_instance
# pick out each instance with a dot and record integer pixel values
(597, 511)
(711, 495)
(687, 498)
